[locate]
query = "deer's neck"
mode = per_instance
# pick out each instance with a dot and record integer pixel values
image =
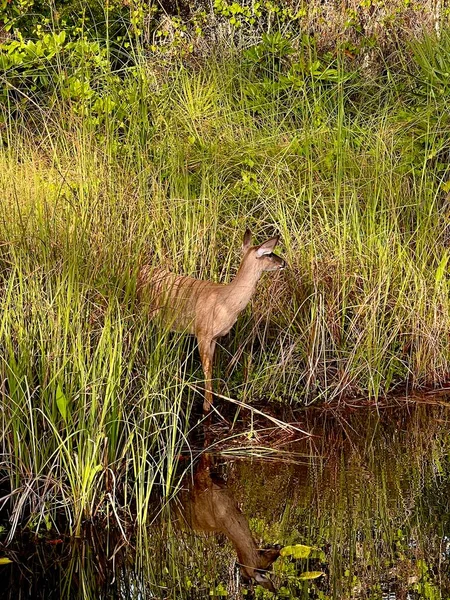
(246, 550)
(243, 286)
(236, 528)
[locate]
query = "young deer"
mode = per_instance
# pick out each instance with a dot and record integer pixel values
(212, 508)
(205, 309)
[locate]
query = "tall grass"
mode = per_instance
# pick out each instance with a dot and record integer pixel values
(96, 400)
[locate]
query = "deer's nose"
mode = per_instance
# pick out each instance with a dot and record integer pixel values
(283, 265)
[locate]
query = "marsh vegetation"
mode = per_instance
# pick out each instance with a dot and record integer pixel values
(117, 154)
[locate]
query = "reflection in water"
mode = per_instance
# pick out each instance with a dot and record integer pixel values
(370, 490)
(212, 508)
(374, 494)
(52, 569)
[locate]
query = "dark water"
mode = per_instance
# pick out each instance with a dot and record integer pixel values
(370, 491)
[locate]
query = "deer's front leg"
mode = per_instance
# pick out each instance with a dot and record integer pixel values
(206, 348)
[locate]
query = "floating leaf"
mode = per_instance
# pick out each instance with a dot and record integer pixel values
(61, 402)
(298, 551)
(5, 561)
(311, 575)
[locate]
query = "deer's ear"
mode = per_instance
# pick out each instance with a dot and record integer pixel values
(264, 581)
(269, 555)
(267, 247)
(247, 242)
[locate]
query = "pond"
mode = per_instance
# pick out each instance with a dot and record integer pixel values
(358, 509)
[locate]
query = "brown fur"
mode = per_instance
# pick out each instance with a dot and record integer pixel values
(211, 507)
(205, 309)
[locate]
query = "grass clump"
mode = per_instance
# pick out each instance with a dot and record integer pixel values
(170, 164)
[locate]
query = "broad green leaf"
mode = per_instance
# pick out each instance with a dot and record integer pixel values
(298, 551)
(5, 561)
(90, 472)
(61, 402)
(311, 575)
(442, 267)
(61, 37)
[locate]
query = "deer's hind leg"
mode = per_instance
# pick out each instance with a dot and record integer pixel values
(206, 348)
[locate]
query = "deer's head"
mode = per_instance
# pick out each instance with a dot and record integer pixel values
(258, 573)
(262, 256)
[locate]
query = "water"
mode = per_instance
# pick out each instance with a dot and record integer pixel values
(369, 491)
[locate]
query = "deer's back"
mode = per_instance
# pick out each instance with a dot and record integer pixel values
(176, 297)
(214, 509)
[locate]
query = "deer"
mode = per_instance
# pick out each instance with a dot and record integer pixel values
(203, 308)
(212, 508)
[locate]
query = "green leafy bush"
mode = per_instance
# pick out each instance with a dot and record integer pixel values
(54, 70)
(280, 70)
(426, 113)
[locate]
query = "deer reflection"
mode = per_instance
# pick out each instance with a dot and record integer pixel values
(212, 508)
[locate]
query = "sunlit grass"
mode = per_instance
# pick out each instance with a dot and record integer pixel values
(96, 401)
